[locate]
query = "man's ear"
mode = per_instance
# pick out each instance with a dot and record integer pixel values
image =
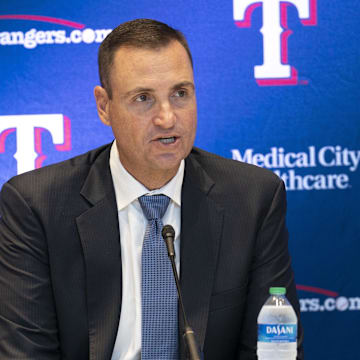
(102, 104)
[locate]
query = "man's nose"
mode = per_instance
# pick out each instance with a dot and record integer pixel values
(165, 117)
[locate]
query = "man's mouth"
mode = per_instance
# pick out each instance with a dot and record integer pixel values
(167, 140)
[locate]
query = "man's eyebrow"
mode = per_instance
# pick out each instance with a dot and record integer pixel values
(137, 90)
(140, 89)
(183, 84)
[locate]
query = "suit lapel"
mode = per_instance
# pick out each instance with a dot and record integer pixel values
(201, 228)
(99, 232)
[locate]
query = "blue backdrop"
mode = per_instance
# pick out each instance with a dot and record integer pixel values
(277, 86)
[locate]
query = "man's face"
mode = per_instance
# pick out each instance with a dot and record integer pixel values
(152, 111)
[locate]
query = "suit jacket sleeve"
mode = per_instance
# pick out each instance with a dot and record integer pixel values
(28, 324)
(271, 267)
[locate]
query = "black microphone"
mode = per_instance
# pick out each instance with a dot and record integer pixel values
(168, 234)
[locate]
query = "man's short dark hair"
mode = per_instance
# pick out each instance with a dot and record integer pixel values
(139, 33)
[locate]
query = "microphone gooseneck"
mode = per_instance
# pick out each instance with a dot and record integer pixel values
(168, 234)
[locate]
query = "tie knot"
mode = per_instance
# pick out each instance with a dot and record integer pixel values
(154, 206)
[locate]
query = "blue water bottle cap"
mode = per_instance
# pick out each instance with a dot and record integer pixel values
(277, 291)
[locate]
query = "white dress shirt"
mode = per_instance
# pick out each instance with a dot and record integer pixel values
(132, 224)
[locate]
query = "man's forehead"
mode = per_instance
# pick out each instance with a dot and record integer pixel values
(142, 67)
(134, 56)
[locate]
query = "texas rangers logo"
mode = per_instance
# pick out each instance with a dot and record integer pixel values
(28, 129)
(275, 69)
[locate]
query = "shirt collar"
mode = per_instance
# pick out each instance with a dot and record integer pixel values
(128, 189)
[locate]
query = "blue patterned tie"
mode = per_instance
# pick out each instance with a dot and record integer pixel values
(159, 338)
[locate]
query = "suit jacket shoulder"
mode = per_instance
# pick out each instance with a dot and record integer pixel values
(233, 171)
(63, 177)
(236, 184)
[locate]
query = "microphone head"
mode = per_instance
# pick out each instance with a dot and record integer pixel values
(168, 231)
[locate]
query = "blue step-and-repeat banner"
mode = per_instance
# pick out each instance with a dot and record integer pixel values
(277, 86)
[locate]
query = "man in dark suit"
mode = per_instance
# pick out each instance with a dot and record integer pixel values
(64, 278)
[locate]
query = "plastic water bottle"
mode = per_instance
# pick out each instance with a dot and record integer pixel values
(277, 328)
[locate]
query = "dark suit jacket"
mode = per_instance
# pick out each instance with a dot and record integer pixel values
(60, 261)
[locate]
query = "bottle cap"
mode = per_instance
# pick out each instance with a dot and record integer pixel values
(277, 291)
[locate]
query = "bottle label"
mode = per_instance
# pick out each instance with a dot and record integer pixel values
(277, 333)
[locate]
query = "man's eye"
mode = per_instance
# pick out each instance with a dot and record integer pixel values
(142, 98)
(180, 93)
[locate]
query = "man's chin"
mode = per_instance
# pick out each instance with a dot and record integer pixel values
(167, 163)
